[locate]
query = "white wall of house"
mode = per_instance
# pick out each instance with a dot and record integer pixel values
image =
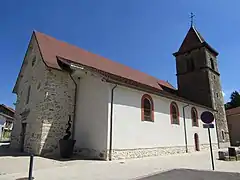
(130, 132)
(91, 128)
(2, 122)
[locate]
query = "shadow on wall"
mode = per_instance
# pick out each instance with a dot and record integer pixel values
(51, 148)
(52, 132)
(161, 105)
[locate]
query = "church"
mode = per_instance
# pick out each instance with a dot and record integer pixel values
(116, 112)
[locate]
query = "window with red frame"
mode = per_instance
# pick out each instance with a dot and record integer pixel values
(194, 115)
(174, 113)
(147, 107)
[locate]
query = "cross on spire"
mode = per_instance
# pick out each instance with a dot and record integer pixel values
(192, 16)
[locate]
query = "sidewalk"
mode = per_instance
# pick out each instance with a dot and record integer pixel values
(13, 168)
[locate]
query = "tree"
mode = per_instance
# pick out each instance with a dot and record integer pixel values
(234, 100)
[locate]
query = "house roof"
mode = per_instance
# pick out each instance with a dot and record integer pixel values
(8, 108)
(52, 48)
(233, 111)
(54, 52)
(193, 40)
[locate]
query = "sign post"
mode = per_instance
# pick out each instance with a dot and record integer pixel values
(210, 142)
(207, 117)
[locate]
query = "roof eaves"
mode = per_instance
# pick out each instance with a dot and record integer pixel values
(210, 48)
(8, 108)
(233, 111)
(161, 93)
(7, 116)
(111, 78)
(107, 74)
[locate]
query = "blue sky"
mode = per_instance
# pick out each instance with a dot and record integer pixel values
(142, 34)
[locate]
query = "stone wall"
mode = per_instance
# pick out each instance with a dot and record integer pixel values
(161, 151)
(56, 109)
(31, 75)
(218, 102)
(203, 85)
(51, 102)
(194, 85)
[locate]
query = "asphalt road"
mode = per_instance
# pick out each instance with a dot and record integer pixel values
(188, 174)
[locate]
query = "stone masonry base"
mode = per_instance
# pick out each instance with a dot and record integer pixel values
(118, 154)
(161, 151)
(224, 144)
(87, 153)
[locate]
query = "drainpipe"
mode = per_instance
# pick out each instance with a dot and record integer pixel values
(111, 123)
(185, 129)
(74, 109)
(68, 67)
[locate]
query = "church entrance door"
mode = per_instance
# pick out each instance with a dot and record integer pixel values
(23, 132)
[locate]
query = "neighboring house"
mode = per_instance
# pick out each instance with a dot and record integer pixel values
(6, 122)
(116, 111)
(233, 119)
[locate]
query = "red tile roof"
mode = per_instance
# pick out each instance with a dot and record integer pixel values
(233, 111)
(51, 48)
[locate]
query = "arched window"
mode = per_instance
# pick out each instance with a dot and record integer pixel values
(147, 108)
(174, 113)
(194, 116)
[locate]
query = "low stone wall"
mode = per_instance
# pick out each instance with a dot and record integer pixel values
(224, 144)
(87, 153)
(160, 151)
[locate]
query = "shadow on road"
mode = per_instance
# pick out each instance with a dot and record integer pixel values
(188, 174)
(6, 151)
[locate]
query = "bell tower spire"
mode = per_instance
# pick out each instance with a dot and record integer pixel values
(198, 78)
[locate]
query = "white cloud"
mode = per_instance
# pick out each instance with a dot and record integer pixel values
(226, 94)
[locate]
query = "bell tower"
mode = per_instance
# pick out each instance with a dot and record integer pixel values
(198, 78)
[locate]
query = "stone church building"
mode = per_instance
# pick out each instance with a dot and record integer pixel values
(117, 112)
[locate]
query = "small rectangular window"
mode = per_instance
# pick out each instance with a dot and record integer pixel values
(223, 135)
(212, 64)
(28, 94)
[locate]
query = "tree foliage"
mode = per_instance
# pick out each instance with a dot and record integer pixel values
(234, 100)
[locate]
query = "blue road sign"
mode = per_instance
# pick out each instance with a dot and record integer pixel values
(207, 117)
